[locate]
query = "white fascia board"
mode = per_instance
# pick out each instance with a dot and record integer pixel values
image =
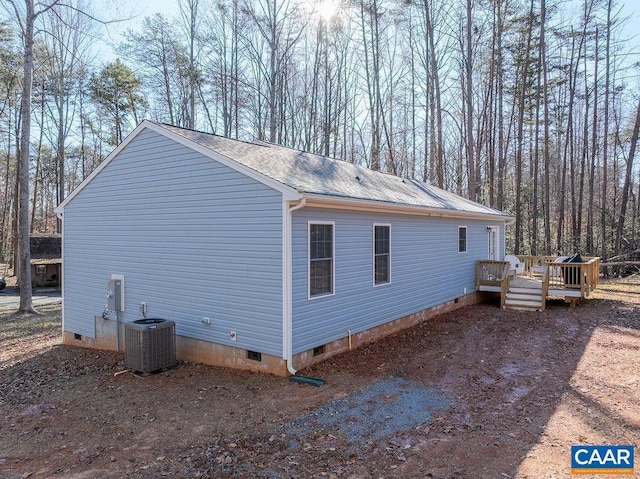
(335, 202)
(288, 193)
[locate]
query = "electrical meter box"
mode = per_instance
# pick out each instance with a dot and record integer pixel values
(115, 293)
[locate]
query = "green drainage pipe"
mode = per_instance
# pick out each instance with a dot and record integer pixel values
(317, 382)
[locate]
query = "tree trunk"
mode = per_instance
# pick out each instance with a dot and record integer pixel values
(567, 156)
(524, 85)
(36, 175)
(584, 156)
(471, 159)
(500, 107)
(594, 155)
(24, 254)
(371, 79)
(437, 113)
(536, 152)
(605, 146)
(627, 182)
(6, 207)
(60, 154)
(273, 76)
(546, 146)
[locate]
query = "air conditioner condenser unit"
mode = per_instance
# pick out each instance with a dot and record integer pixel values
(150, 344)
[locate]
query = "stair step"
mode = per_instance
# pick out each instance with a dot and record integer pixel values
(523, 298)
(530, 297)
(537, 303)
(515, 289)
(522, 308)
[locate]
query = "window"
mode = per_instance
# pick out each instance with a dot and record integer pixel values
(462, 239)
(320, 259)
(381, 263)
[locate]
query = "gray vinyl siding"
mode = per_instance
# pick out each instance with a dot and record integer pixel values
(193, 238)
(426, 270)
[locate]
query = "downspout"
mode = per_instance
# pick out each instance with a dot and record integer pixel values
(288, 288)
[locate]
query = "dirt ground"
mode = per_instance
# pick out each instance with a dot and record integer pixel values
(478, 393)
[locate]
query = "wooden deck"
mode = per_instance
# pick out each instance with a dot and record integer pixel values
(541, 279)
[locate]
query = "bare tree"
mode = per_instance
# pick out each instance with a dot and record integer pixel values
(191, 22)
(221, 65)
(605, 145)
(547, 139)
(279, 31)
(65, 49)
(10, 67)
(468, 101)
(369, 21)
(627, 182)
(590, 246)
(157, 53)
(26, 19)
(516, 118)
(524, 80)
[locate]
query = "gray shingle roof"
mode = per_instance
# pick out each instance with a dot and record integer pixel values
(315, 174)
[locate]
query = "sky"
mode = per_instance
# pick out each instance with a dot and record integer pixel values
(136, 10)
(139, 9)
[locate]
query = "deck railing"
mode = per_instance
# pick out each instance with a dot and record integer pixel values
(531, 262)
(534, 264)
(494, 274)
(575, 280)
(573, 277)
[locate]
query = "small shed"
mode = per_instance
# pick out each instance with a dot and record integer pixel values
(265, 257)
(46, 260)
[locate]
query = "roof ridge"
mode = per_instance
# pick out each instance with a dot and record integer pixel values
(193, 130)
(362, 167)
(266, 143)
(312, 173)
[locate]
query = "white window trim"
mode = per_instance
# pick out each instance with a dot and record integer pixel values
(466, 239)
(373, 255)
(333, 257)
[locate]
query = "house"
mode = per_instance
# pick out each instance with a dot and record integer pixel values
(46, 260)
(267, 258)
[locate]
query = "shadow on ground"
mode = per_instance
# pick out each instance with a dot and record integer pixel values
(473, 393)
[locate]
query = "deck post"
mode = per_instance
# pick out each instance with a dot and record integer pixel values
(545, 284)
(504, 286)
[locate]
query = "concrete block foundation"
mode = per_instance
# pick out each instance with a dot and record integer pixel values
(214, 354)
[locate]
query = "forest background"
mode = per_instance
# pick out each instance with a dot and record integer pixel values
(528, 106)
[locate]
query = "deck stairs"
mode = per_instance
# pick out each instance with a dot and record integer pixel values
(543, 277)
(523, 297)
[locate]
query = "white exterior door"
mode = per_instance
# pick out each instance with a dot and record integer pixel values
(492, 240)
